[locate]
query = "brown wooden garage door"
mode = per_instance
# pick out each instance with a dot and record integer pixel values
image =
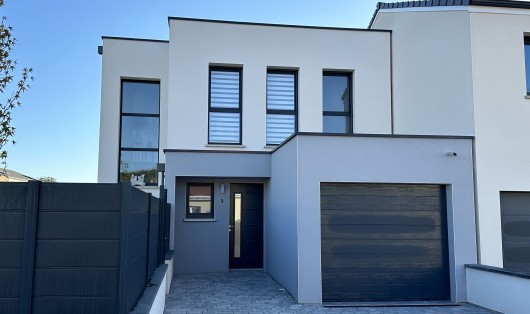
(384, 242)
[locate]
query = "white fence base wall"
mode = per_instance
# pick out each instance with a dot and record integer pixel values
(502, 292)
(159, 303)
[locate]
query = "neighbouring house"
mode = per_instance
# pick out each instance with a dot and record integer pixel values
(352, 165)
(7, 175)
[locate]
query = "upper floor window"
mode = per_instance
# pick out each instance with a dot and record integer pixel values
(281, 105)
(527, 63)
(140, 116)
(224, 109)
(337, 102)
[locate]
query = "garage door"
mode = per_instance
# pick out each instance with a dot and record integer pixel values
(384, 242)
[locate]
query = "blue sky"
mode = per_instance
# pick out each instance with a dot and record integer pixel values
(57, 127)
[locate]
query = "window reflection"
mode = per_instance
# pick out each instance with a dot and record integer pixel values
(337, 102)
(200, 200)
(140, 103)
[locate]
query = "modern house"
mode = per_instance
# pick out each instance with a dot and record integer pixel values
(352, 165)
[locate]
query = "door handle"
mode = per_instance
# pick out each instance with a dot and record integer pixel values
(230, 228)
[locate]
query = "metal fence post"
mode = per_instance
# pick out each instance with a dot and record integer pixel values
(28, 250)
(148, 239)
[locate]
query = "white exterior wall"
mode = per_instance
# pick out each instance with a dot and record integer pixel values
(195, 45)
(127, 59)
(499, 292)
(502, 117)
(431, 59)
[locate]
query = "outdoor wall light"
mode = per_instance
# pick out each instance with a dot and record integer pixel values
(222, 188)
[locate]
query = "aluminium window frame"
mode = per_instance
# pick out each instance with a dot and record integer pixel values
(349, 114)
(226, 110)
(526, 42)
(211, 215)
(279, 111)
(147, 115)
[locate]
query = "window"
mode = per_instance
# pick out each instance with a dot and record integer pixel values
(199, 200)
(337, 102)
(527, 63)
(282, 106)
(224, 110)
(140, 109)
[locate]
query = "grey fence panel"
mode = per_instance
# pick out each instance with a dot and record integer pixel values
(136, 256)
(76, 248)
(12, 219)
(76, 264)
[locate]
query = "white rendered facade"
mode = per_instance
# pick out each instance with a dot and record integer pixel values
(452, 78)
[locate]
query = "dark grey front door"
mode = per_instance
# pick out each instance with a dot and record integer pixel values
(384, 242)
(246, 226)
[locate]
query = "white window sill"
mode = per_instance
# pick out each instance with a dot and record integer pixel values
(527, 96)
(224, 146)
(199, 220)
(270, 146)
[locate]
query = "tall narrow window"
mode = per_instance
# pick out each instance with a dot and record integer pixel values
(281, 105)
(337, 102)
(224, 116)
(527, 63)
(140, 115)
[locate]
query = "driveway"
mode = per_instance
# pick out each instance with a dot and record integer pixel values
(251, 291)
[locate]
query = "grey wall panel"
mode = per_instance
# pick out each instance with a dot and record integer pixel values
(75, 282)
(8, 305)
(80, 196)
(12, 224)
(201, 246)
(11, 253)
(13, 196)
(77, 253)
(10, 279)
(385, 160)
(74, 305)
(79, 225)
(515, 222)
(280, 219)
(211, 164)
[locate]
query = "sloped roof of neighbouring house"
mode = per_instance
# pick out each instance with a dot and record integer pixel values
(448, 3)
(10, 175)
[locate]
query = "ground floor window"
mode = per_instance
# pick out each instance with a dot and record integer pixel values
(199, 202)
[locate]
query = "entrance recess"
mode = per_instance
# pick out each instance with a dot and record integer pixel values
(246, 226)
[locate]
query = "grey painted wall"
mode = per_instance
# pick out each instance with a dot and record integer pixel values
(281, 210)
(203, 246)
(384, 160)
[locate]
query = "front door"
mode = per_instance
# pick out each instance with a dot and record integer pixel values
(246, 226)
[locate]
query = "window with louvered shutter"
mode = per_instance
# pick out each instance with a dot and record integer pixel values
(224, 116)
(281, 105)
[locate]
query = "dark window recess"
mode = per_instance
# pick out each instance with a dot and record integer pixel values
(337, 102)
(224, 109)
(199, 201)
(515, 222)
(282, 104)
(139, 132)
(527, 63)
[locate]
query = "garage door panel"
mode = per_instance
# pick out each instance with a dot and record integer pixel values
(397, 275)
(381, 202)
(394, 217)
(379, 261)
(374, 292)
(341, 246)
(382, 232)
(383, 242)
(420, 190)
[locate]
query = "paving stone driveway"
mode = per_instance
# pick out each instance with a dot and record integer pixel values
(250, 291)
